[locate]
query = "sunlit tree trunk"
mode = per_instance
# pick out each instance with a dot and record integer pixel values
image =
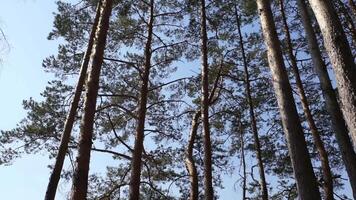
(332, 105)
(341, 58)
(68, 125)
(256, 138)
(189, 161)
(301, 163)
(80, 177)
(328, 181)
(136, 164)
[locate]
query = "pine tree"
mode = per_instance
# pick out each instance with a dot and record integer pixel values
(332, 105)
(303, 171)
(80, 177)
(341, 58)
(68, 126)
(327, 175)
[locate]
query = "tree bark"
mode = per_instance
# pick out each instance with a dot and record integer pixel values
(328, 185)
(256, 138)
(208, 179)
(301, 163)
(341, 57)
(136, 164)
(327, 175)
(189, 161)
(68, 125)
(80, 177)
(332, 105)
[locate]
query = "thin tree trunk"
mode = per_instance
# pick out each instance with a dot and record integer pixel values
(244, 174)
(80, 177)
(327, 175)
(341, 57)
(338, 123)
(256, 138)
(301, 163)
(353, 7)
(208, 179)
(138, 148)
(189, 161)
(68, 125)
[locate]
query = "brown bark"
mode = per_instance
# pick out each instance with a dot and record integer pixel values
(208, 179)
(136, 164)
(341, 58)
(68, 125)
(80, 177)
(301, 163)
(332, 105)
(256, 138)
(327, 175)
(189, 161)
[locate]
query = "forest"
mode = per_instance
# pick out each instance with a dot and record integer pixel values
(183, 99)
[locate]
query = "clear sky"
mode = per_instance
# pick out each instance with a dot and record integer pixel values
(26, 24)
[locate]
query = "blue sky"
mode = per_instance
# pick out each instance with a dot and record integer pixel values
(26, 24)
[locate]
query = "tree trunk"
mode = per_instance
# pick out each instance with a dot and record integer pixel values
(327, 175)
(342, 60)
(244, 173)
(68, 125)
(338, 123)
(80, 177)
(353, 7)
(256, 138)
(189, 161)
(208, 179)
(301, 163)
(138, 148)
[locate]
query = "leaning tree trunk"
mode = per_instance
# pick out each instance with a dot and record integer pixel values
(327, 175)
(140, 129)
(332, 105)
(208, 179)
(80, 177)
(301, 163)
(256, 138)
(189, 161)
(341, 58)
(68, 125)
